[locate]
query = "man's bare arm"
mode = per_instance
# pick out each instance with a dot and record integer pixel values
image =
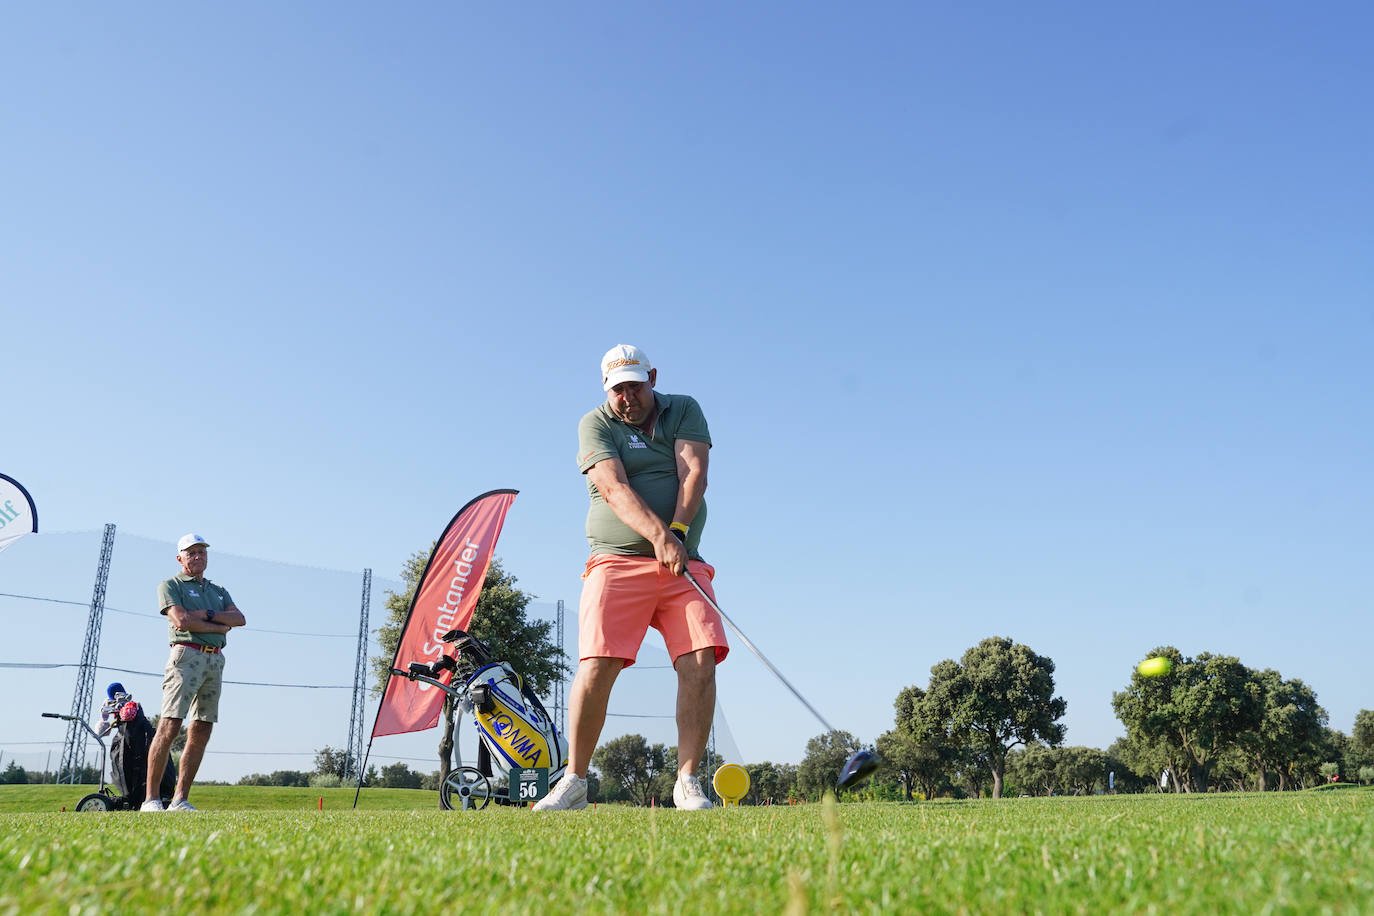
(608, 475)
(195, 622)
(692, 461)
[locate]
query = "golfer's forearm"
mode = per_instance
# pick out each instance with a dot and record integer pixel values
(232, 617)
(631, 509)
(690, 492)
(693, 458)
(204, 626)
(195, 622)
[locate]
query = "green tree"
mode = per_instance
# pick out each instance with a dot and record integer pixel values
(14, 775)
(917, 749)
(331, 762)
(399, 776)
(770, 783)
(1080, 770)
(83, 776)
(998, 696)
(1031, 770)
(661, 788)
(1041, 770)
(498, 620)
(277, 778)
(1362, 738)
(1199, 709)
(1335, 745)
(826, 754)
(1291, 727)
(1134, 773)
(631, 764)
(1147, 759)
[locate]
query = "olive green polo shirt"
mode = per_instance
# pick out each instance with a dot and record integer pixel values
(194, 595)
(650, 466)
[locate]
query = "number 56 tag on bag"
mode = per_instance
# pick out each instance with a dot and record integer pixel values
(528, 785)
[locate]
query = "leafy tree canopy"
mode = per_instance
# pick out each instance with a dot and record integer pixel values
(1199, 709)
(998, 696)
(826, 754)
(631, 764)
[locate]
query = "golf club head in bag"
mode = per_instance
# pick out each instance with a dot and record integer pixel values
(858, 768)
(469, 645)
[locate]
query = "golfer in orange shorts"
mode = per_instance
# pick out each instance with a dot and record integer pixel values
(645, 456)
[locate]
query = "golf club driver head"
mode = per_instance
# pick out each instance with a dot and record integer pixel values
(858, 768)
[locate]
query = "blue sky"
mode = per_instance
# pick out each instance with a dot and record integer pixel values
(1052, 324)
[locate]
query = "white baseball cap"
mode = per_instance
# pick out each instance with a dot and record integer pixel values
(623, 363)
(190, 540)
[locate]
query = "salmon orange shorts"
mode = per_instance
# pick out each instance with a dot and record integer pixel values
(623, 596)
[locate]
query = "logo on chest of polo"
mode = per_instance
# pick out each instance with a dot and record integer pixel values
(636, 442)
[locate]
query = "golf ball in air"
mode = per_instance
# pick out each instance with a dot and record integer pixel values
(1156, 667)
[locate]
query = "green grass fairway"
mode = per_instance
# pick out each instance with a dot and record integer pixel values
(1277, 853)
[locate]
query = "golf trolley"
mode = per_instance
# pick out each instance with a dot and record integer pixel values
(514, 729)
(131, 740)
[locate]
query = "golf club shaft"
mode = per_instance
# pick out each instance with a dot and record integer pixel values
(752, 648)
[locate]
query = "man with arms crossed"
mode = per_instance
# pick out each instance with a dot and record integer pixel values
(199, 614)
(645, 456)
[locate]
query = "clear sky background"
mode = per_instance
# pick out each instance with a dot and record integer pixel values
(1052, 324)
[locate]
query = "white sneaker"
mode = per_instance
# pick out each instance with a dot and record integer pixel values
(181, 805)
(569, 795)
(687, 794)
(152, 804)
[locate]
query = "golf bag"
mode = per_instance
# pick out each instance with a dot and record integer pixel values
(129, 756)
(515, 728)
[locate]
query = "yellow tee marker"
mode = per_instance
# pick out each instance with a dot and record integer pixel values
(731, 783)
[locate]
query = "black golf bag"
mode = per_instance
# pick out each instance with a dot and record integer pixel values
(129, 745)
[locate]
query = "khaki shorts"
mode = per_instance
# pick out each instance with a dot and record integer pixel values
(623, 596)
(191, 684)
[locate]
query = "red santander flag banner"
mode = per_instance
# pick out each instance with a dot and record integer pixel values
(444, 600)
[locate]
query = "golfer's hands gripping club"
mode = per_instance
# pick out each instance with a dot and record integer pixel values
(672, 553)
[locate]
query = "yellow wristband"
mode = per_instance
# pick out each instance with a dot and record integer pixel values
(678, 526)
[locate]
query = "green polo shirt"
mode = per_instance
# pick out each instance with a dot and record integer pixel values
(187, 592)
(650, 466)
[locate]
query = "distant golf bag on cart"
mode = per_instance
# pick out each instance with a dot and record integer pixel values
(132, 735)
(129, 757)
(515, 731)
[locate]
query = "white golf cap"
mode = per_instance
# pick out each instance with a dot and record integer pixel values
(190, 540)
(623, 363)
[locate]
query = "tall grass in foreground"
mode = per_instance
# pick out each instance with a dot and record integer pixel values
(1278, 853)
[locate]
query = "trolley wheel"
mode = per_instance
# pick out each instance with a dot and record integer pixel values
(95, 802)
(466, 789)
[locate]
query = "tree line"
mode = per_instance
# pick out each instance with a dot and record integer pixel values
(987, 724)
(990, 721)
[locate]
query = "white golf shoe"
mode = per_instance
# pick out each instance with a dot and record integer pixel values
(152, 804)
(687, 794)
(569, 795)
